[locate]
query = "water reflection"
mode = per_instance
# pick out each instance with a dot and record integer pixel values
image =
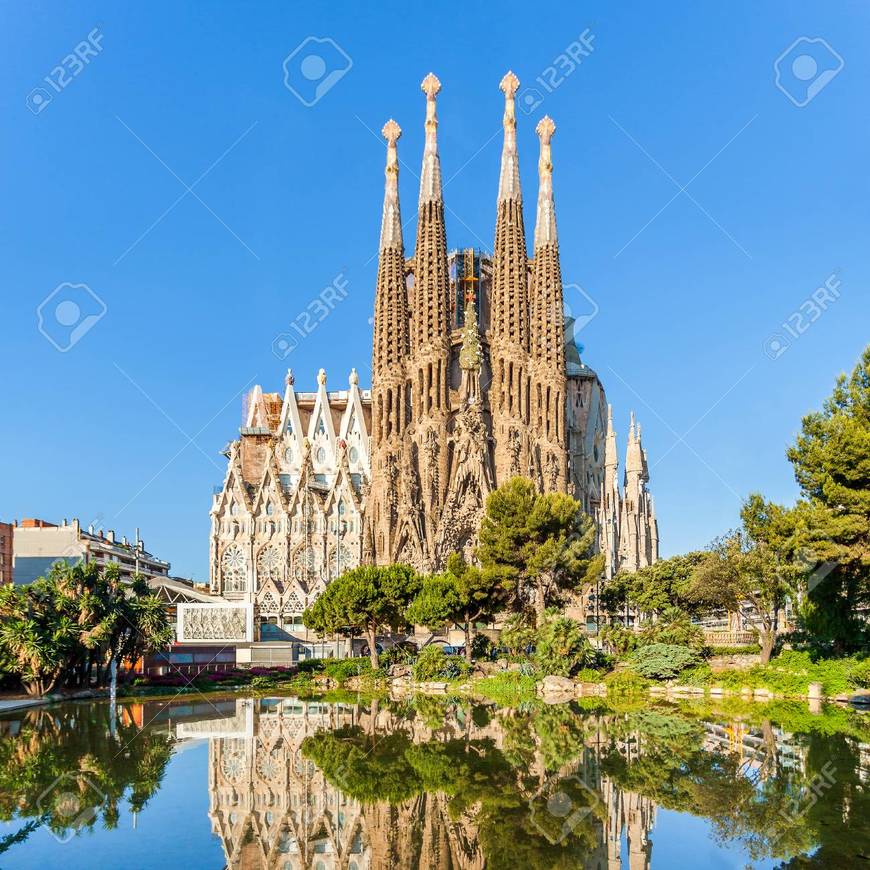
(436, 783)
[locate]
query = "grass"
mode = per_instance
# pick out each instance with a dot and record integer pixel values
(788, 674)
(507, 689)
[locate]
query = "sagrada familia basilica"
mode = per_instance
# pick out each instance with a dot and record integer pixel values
(476, 378)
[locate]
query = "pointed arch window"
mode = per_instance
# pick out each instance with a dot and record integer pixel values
(269, 509)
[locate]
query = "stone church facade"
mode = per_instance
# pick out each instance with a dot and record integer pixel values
(473, 382)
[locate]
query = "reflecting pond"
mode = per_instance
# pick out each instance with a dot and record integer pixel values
(360, 784)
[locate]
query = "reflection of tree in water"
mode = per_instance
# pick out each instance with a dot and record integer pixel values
(61, 768)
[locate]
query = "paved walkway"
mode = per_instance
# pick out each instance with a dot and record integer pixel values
(8, 706)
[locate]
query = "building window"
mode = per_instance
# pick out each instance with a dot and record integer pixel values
(234, 570)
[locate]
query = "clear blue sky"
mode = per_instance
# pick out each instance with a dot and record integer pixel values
(126, 426)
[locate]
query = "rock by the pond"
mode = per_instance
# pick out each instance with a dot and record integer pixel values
(552, 685)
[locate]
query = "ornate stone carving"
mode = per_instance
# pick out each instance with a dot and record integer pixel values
(212, 622)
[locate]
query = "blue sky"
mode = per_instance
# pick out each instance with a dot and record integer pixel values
(699, 206)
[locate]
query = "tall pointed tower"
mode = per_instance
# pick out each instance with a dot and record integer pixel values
(389, 355)
(426, 459)
(548, 330)
(509, 320)
(638, 530)
(609, 508)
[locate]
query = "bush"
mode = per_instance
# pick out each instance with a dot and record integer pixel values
(343, 669)
(481, 647)
(698, 675)
(562, 648)
(589, 675)
(517, 635)
(859, 674)
(621, 640)
(625, 682)
(434, 664)
(662, 661)
(748, 650)
(309, 666)
(400, 654)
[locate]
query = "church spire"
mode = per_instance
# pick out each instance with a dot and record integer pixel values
(545, 225)
(391, 223)
(509, 320)
(509, 179)
(431, 308)
(390, 345)
(610, 457)
(430, 177)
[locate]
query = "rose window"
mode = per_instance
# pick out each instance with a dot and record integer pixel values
(234, 569)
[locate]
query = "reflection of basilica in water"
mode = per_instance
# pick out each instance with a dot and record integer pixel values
(273, 808)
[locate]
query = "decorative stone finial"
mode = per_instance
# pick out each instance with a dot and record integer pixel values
(430, 86)
(354, 378)
(321, 377)
(509, 84)
(545, 129)
(391, 132)
(289, 380)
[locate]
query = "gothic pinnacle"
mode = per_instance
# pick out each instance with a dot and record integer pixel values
(509, 178)
(610, 457)
(545, 225)
(391, 223)
(430, 177)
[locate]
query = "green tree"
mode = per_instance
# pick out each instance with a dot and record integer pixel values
(540, 546)
(363, 600)
(747, 567)
(73, 624)
(831, 459)
(654, 588)
(463, 595)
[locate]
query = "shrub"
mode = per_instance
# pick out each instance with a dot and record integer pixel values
(343, 669)
(859, 674)
(434, 664)
(517, 635)
(698, 675)
(589, 675)
(400, 654)
(309, 666)
(562, 647)
(625, 682)
(621, 640)
(662, 661)
(481, 647)
(748, 650)
(262, 682)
